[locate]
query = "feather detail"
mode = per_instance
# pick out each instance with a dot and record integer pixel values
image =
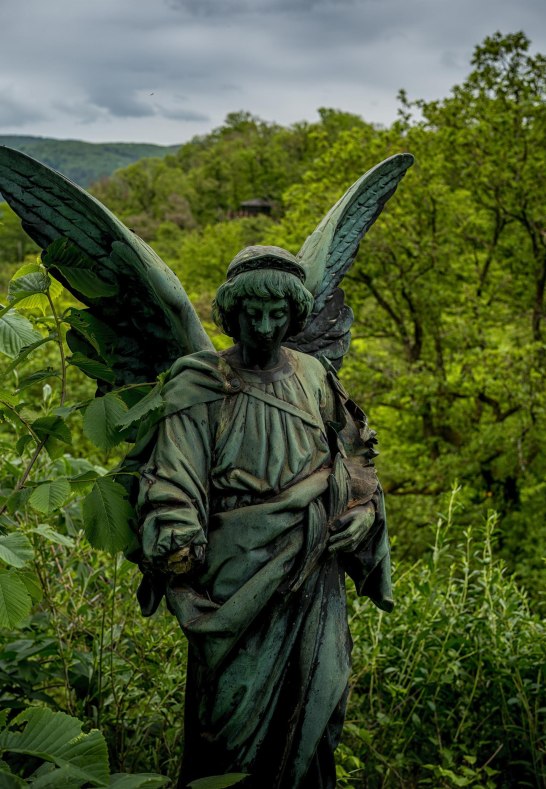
(128, 289)
(329, 252)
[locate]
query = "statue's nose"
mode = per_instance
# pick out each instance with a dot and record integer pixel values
(264, 326)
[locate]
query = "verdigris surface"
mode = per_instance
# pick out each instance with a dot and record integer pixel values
(257, 490)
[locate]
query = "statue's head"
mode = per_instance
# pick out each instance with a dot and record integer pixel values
(262, 279)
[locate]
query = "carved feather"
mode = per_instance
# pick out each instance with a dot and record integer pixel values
(128, 289)
(329, 252)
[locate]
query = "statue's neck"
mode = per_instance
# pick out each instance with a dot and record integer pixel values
(257, 359)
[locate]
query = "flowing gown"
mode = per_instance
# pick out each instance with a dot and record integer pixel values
(257, 466)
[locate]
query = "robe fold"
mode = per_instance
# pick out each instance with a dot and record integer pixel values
(256, 467)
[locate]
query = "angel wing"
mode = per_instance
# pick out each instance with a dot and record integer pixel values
(139, 319)
(329, 252)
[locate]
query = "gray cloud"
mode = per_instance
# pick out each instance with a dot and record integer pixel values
(131, 69)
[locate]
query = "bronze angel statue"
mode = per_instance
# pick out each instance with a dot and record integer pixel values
(256, 490)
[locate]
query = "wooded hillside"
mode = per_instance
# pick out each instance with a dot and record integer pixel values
(447, 359)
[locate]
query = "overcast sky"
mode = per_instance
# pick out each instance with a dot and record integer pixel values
(164, 70)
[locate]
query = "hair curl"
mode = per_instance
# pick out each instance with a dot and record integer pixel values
(261, 284)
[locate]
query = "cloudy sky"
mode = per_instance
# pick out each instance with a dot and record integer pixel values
(164, 70)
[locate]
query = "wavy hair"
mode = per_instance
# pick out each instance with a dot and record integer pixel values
(261, 284)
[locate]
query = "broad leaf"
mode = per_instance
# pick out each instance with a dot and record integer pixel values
(218, 781)
(16, 331)
(32, 583)
(92, 367)
(28, 349)
(34, 378)
(15, 549)
(10, 781)
(58, 738)
(50, 534)
(152, 402)
(87, 282)
(83, 481)
(52, 427)
(138, 781)
(101, 418)
(8, 398)
(28, 285)
(15, 602)
(106, 514)
(97, 333)
(50, 495)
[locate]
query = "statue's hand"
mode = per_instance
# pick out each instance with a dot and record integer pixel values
(185, 559)
(351, 528)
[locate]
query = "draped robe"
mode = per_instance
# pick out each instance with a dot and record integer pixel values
(257, 465)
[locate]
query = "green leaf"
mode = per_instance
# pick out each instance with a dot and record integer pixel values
(83, 481)
(52, 427)
(10, 781)
(152, 402)
(15, 549)
(53, 536)
(101, 419)
(28, 349)
(218, 781)
(86, 282)
(27, 268)
(34, 378)
(137, 780)
(97, 333)
(58, 738)
(22, 443)
(32, 583)
(15, 602)
(79, 270)
(29, 290)
(8, 398)
(16, 332)
(106, 514)
(27, 285)
(92, 367)
(50, 496)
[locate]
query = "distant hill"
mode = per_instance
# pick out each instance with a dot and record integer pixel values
(85, 162)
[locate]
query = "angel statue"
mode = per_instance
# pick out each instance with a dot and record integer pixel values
(256, 490)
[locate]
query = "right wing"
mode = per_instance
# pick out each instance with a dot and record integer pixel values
(139, 319)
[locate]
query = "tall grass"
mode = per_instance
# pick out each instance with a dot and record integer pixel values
(449, 689)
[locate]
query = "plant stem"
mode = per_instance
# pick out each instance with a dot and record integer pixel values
(61, 347)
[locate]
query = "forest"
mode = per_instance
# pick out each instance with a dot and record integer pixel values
(447, 360)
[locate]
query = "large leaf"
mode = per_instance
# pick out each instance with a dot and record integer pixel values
(101, 418)
(106, 514)
(52, 427)
(58, 738)
(92, 367)
(218, 781)
(32, 584)
(28, 285)
(138, 781)
(152, 402)
(15, 333)
(15, 549)
(50, 495)
(53, 536)
(15, 602)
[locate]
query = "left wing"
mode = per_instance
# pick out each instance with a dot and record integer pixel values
(329, 252)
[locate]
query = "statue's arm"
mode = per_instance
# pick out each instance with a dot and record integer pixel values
(360, 534)
(173, 497)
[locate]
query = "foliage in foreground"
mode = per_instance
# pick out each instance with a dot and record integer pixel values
(450, 689)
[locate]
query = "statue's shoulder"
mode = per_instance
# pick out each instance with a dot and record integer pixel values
(307, 366)
(196, 378)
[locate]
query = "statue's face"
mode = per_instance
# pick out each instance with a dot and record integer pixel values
(264, 323)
